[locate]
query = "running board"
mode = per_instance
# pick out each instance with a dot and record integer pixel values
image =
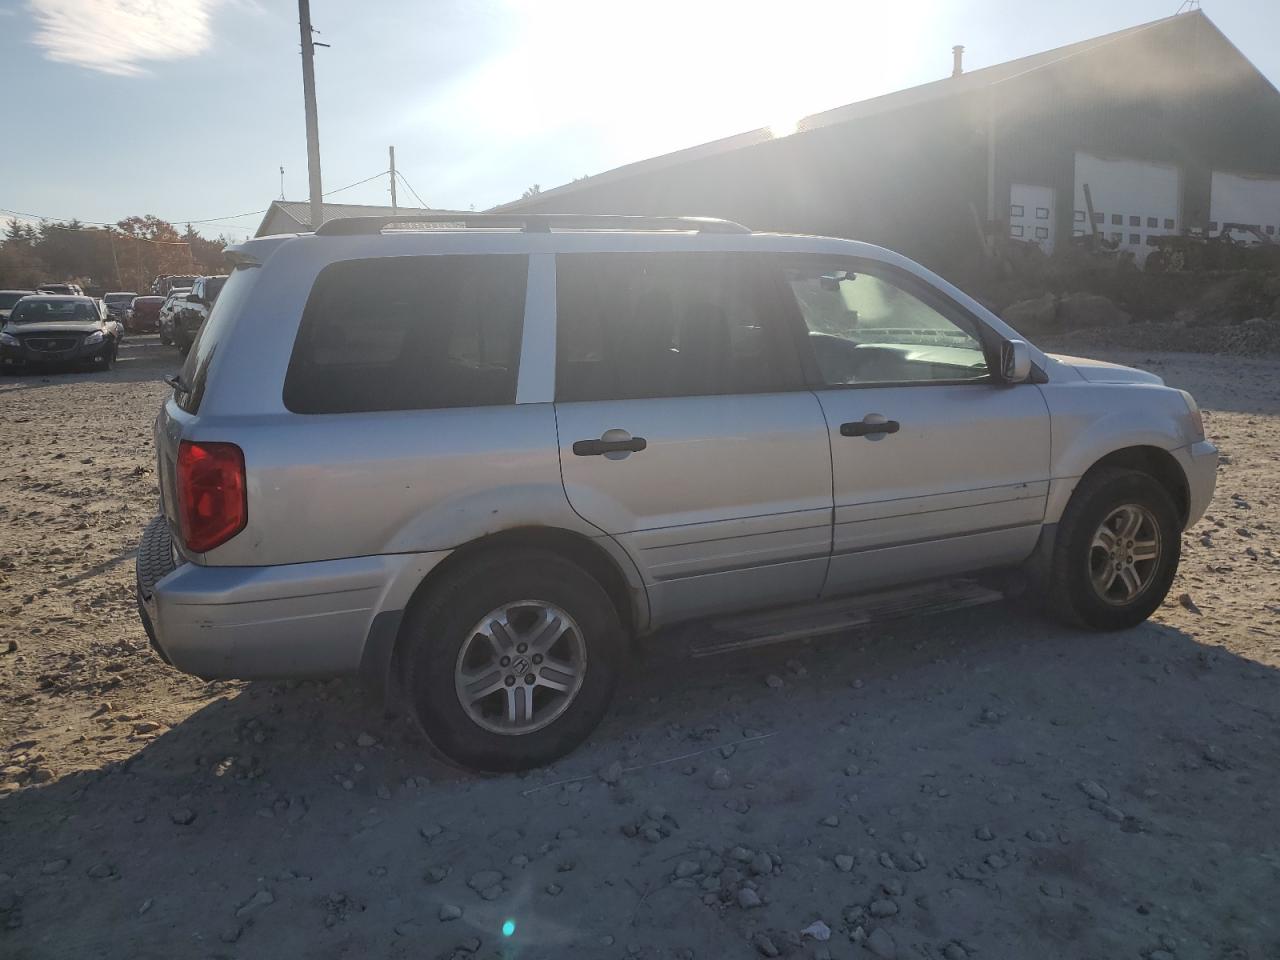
(834, 616)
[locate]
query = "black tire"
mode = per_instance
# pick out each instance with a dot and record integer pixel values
(1071, 594)
(165, 339)
(108, 358)
(439, 622)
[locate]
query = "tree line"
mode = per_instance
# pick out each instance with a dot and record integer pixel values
(126, 256)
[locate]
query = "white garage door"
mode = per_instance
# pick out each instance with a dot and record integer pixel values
(1132, 200)
(1236, 198)
(1031, 214)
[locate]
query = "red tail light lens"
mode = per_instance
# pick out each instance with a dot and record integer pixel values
(212, 502)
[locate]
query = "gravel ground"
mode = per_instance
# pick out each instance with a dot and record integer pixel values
(983, 785)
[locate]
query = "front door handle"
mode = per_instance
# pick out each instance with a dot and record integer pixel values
(602, 447)
(863, 428)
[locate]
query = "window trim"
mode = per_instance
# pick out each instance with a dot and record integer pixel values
(773, 309)
(909, 283)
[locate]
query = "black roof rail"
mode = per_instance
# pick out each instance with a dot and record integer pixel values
(530, 222)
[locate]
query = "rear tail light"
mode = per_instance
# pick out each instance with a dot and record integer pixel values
(212, 501)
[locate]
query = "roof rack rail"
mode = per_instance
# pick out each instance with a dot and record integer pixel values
(530, 222)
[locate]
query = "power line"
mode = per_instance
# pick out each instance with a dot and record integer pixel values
(232, 216)
(421, 202)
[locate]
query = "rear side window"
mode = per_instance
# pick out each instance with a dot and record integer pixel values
(196, 369)
(409, 333)
(636, 325)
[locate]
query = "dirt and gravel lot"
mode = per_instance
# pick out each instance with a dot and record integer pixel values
(984, 785)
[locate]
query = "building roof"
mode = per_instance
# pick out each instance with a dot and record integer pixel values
(299, 211)
(949, 86)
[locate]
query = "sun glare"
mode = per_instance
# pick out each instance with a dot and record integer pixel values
(783, 128)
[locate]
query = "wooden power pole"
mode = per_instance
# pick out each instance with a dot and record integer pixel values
(392, 151)
(309, 102)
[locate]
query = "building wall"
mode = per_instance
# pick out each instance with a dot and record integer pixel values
(915, 179)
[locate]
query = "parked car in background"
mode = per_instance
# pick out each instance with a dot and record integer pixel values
(144, 314)
(482, 464)
(8, 298)
(63, 289)
(166, 285)
(192, 311)
(119, 304)
(172, 304)
(58, 330)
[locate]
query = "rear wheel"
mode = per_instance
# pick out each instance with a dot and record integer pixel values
(1117, 550)
(510, 661)
(108, 356)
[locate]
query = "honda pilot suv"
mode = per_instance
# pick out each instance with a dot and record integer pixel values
(478, 463)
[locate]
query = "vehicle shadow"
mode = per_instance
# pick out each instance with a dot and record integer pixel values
(1125, 782)
(141, 359)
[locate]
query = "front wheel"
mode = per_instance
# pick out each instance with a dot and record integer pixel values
(510, 661)
(1117, 551)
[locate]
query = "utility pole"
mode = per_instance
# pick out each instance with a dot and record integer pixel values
(282, 183)
(309, 102)
(393, 178)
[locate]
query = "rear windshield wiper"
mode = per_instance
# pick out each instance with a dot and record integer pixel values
(175, 380)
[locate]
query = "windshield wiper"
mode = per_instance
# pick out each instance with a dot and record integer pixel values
(175, 380)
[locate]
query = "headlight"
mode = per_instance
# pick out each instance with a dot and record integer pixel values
(95, 337)
(1195, 422)
(8, 340)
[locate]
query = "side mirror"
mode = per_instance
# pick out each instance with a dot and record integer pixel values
(1015, 361)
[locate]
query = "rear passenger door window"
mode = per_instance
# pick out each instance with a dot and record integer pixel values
(409, 333)
(634, 326)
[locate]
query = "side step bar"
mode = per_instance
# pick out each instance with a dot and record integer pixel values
(833, 616)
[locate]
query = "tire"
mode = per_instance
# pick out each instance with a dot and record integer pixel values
(441, 625)
(108, 359)
(165, 340)
(1080, 564)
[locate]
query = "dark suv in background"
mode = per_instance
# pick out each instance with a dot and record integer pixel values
(193, 311)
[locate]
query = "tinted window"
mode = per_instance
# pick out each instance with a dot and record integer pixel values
(667, 325)
(195, 370)
(871, 327)
(409, 333)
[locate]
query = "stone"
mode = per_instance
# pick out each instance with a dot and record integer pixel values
(984, 833)
(719, 779)
(183, 816)
(484, 879)
(436, 874)
(882, 908)
(1113, 814)
(893, 887)
(101, 871)
(554, 889)
(761, 864)
(1052, 890)
(688, 868)
(611, 774)
(449, 912)
(230, 933)
(261, 899)
(748, 899)
(817, 931)
(764, 945)
(844, 862)
(774, 682)
(881, 944)
(1037, 836)
(1185, 600)
(55, 866)
(953, 951)
(1094, 790)
(831, 821)
(366, 740)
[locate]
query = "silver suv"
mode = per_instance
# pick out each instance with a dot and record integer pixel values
(483, 457)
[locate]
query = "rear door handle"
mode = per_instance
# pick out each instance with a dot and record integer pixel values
(861, 428)
(598, 448)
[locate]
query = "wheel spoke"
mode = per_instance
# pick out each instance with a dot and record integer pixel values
(1104, 578)
(557, 675)
(1132, 582)
(1145, 550)
(547, 633)
(1104, 539)
(498, 633)
(517, 705)
(481, 684)
(1132, 520)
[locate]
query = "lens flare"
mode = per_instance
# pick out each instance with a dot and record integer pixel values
(508, 928)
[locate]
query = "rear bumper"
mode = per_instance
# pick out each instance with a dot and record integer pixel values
(289, 621)
(1200, 463)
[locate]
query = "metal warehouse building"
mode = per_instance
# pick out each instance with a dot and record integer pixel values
(1168, 123)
